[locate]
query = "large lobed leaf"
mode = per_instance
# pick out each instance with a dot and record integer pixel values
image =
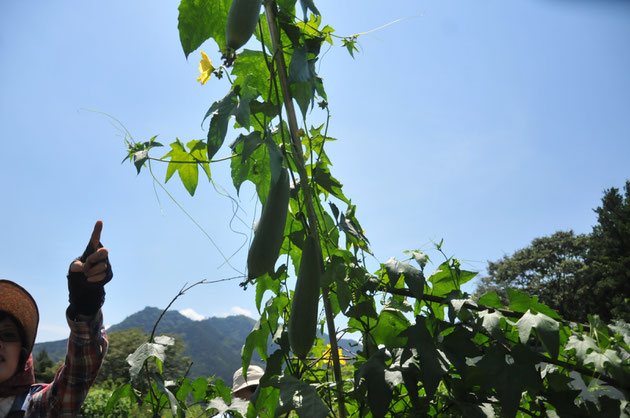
(200, 20)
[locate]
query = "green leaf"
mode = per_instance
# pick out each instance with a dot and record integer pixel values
(139, 158)
(199, 151)
(248, 143)
(303, 93)
(147, 350)
(287, 6)
(363, 309)
(257, 339)
(329, 230)
(335, 271)
(446, 278)
(621, 328)
(223, 390)
(431, 370)
(492, 300)
(251, 66)
(275, 160)
(222, 408)
(458, 347)
(391, 322)
(255, 168)
(582, 344)
(321, 175)
(443, 280)
(298, 396)
(183, 163)
(172, 400)
(263, 284)
(200, 388)
(263, 109)
(380, 382)
(456, 305)
(498, 375)
(344, 296)
(350, 44)
(308, 5)
(314, 142)
(122, 392)
(413, 277)
(546, 328)
(493, 323)
(600, 360)
(221, 112)
(354, 233)
(245, 95)
(300, 70)
(521, 302)
(200, 20)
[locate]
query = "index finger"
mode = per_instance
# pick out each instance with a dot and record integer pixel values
(95, 239)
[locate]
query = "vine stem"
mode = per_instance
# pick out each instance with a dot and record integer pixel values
(278, 54)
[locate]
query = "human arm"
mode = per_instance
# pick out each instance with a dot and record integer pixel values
(87, 344)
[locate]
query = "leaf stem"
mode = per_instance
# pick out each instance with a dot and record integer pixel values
(197, 161)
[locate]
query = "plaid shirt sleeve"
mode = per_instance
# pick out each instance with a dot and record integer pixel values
(87, 346)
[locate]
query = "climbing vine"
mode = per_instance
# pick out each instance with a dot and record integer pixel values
(426, 347)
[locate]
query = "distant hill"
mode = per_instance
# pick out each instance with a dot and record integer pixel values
(214, 344)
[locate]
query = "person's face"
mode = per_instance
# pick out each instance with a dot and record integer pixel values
(245, 393)
(10, 346)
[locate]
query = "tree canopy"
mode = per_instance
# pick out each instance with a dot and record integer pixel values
(575, 274)
(115, 368)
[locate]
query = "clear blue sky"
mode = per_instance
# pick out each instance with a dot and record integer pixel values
(486, 123)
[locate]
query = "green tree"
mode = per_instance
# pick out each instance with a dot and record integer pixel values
(574, 274)
(115, 368)
(44, 367)
(550, 268)
(608, 277)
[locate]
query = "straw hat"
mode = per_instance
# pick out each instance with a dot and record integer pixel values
(21, 305)
(254, 373)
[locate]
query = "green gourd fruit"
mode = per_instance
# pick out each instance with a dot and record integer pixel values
(304, 308)
(269, 234)
(241, 22)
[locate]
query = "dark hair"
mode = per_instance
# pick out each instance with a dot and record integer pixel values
(23, 352)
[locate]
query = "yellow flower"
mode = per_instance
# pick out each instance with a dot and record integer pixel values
(205, 68)
(327, 358)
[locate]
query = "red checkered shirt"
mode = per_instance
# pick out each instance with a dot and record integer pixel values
(63, 397)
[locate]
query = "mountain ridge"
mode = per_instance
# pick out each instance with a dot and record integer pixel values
(214, 344)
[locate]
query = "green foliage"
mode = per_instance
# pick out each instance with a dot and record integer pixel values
(124, 343)
(44, 368)
(574, 274)
(200, 20)
(427, 348)
(608, 276)
(95, 405)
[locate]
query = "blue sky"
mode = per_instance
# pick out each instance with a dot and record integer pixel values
(484, 123)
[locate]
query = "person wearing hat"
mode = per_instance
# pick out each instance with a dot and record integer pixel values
(87, 345)
(242, 388)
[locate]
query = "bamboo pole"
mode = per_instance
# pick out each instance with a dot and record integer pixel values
(296, 145)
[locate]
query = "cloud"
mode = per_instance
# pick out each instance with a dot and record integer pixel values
(191, 314)
(51, 332)
(236, 310)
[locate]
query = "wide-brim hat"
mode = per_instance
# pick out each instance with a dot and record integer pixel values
(254, 374)
(17, 302)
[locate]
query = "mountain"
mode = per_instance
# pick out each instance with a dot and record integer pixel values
(213, 344)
